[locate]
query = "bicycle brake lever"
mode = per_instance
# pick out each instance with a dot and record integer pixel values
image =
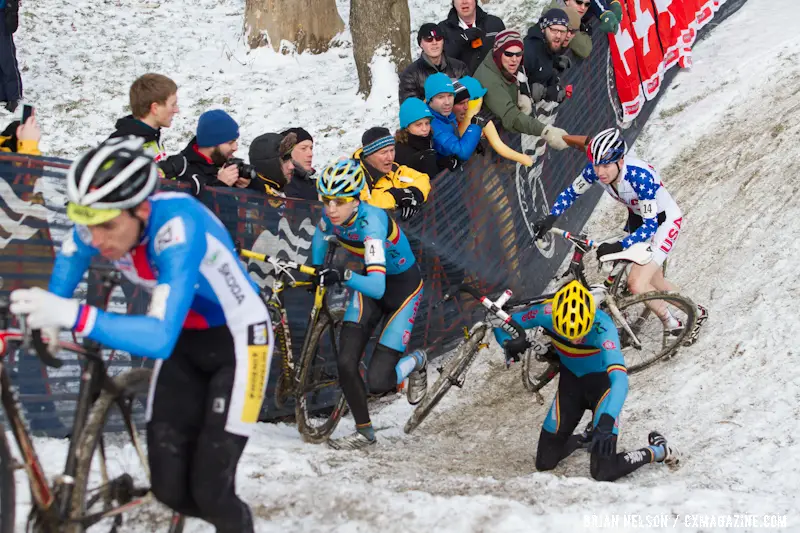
(447, 298)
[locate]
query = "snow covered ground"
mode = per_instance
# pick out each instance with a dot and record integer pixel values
(724, 139)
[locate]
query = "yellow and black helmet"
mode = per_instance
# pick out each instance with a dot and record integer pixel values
(342, 178)
(573, 311)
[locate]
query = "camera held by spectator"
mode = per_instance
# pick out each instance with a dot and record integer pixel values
(246, 171)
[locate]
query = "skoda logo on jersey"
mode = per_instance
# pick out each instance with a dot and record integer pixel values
(231, 282)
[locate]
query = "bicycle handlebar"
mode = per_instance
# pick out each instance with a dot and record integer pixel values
(570, 237)
(510, 325)
(280, 264)
(43, 352)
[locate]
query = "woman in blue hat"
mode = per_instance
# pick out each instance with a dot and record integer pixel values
(414, 140)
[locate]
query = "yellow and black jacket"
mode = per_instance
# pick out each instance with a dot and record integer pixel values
(380, 187)
(10, 143)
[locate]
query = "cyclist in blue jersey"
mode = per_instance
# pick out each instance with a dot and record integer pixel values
(206, 324)
(592, 377)
(389, 288)
(653, 216)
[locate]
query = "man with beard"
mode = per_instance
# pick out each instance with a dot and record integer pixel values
(202, 162)
(543, 57)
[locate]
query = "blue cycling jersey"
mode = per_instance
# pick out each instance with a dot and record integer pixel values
(599, 351)
(186, 260)
(373, 236)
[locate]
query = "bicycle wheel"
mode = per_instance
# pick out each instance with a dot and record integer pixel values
(320, 403)
(654, 345)
(111, 467)
(7, 487)
(451, 373)
(537, 371)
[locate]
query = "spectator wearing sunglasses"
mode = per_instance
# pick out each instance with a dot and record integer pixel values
(498, 75)
(469, 33)
(544, 58)
(271, 156)
(432, 60)
(579, 38)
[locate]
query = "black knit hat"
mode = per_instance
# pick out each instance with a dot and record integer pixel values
(554, 17)
(302, 135)
(375, 139)
(461, 92)
(429, 29)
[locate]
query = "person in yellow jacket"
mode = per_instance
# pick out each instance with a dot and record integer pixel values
(21, 138)
(390, 185)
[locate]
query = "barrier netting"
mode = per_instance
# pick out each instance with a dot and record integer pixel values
(476, 227)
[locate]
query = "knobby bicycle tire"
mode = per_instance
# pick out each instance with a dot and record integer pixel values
(303, 415)
(675, 299)
(90, 437)
(7, 487)
(452, 371)
(542, 380)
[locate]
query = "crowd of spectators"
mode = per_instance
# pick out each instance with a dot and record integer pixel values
(470, 60)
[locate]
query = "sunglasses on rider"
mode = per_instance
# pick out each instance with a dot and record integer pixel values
(432, 38)
(337, 200)
(512, 54)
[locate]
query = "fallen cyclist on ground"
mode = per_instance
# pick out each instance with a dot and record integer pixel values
(593, 377)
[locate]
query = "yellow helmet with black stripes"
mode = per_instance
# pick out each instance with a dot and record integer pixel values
(573, 311)
(342, 178)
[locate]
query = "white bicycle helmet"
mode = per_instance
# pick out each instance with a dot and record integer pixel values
(606, 147)
(116, 175)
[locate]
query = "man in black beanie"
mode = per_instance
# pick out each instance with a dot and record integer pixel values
(389, 185)
(302, 183)
(544, 58)
(432, 60)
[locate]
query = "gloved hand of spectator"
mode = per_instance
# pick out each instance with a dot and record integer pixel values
(586, 27)
(562, 62)
(556, 93)
(538, 91)
(228, 175)
(480, 121)
(543, 225)
(329, 276)
(525, 104)
(30, 130)
(604, 442)
(450, 163)
(609, 23)
(555, 137)
(608, 248)
(409, 201)
(616, 7)
(474, 37)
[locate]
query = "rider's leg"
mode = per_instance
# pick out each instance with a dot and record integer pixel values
(556, 440)
(360, 319)
(621, 464)
(640, 281)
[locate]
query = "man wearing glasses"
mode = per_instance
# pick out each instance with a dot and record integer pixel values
(544, 57)
(609, 13)
(432, 60)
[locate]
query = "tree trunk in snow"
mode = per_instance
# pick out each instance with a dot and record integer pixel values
(374, 23)
(309, 24)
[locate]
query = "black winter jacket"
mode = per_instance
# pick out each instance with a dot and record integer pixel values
(418, 153)
(191, 167)
(302, 185)
(412, 79)
(538, 63)
(152, 137)
(458, 43)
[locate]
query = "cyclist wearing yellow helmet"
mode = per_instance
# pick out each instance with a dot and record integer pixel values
(388, 289)
(593, 377)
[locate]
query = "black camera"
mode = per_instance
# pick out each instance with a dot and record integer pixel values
(245, 171)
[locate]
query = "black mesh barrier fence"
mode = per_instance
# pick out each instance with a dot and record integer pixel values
(475, 228)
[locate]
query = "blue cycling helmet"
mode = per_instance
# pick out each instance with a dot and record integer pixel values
(342, 178)
(606, 147)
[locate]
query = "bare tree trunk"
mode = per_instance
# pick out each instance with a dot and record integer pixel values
(374, 23)
(309, 24)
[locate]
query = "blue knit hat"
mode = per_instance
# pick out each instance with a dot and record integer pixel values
(436, 84)
(216, 127)
(412, 110)
(473, 86)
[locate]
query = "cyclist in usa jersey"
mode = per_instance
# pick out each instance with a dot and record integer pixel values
(389, 289)
(653, 216)
(206, 324)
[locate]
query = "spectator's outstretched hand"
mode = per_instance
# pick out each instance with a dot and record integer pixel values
(555, 137)
(609, 23)
(30, 130)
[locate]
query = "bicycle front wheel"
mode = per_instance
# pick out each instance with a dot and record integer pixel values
(452, 372)
(111, 468)
(320, 403)
(7, 487)
(653, 343)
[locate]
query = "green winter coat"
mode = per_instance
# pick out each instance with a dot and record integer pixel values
(501, 99)
(581, 44)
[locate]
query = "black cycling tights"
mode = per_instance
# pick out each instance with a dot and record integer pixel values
(192, 458)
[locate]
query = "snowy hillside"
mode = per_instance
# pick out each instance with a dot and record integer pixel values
(78, 60)
(724, 140)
